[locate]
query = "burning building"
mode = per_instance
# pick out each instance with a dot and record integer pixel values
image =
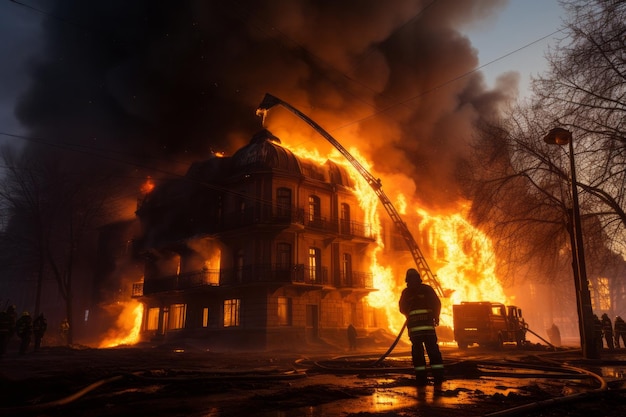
(263, 249)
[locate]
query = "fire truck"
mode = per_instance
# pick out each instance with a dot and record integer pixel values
(488, 324)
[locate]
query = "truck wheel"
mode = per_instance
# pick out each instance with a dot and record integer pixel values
(462, 345)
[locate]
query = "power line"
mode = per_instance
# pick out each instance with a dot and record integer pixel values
(445, 83)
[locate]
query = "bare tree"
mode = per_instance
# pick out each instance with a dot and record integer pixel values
(584, 90)
(518, 201)
(51, 208)
(523, 193)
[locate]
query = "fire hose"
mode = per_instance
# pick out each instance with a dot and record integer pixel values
(462, 369)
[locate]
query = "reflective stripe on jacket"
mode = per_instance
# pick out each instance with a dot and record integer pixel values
(420, 321)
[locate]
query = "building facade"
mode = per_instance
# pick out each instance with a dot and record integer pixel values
(261, 250)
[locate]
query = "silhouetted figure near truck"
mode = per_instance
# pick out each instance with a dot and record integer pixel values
(597, 332)
(64, 328)
(421, 306)
(620, 331)
(607, 331)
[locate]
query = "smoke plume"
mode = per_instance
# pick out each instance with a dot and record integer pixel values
(142, 85)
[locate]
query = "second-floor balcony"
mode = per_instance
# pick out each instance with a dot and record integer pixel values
(282, 217)
(203, 278)
(254, 274)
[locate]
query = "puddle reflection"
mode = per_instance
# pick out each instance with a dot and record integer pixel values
(389, 399)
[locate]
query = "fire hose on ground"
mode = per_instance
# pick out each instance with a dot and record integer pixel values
(549, 369)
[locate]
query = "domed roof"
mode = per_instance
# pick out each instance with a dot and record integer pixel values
(264, 152)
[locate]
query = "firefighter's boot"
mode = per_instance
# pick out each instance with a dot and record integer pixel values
(421, 379)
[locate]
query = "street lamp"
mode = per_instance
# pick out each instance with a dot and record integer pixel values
(560, 136)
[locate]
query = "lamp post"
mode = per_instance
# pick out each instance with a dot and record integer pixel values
(560, 136)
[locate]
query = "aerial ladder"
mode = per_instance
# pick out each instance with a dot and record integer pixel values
(428, 277)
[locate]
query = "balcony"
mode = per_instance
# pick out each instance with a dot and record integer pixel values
(196, 279)
(280, 217)
(267, 215)
(349, 228)
(272, 273)
(253, 274)
(355, 279)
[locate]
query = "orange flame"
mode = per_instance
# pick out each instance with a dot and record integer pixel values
(128, 326)
(463, 259)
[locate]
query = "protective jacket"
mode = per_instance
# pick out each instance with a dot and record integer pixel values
(421, 306)
(24, 326)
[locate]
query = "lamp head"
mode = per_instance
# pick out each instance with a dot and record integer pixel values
(558, 136)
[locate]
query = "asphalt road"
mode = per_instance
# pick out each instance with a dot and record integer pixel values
(188, 381)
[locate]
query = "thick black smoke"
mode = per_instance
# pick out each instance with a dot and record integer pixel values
(152, 84)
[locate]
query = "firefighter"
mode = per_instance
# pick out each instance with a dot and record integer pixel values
(64, 328)
(421, 306)
(554, 334)
(607, 331)
(597, 332)
(24, 330)
(620, 331)
(39, 328)
(352, 336)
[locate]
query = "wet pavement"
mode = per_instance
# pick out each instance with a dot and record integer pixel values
(184, 381)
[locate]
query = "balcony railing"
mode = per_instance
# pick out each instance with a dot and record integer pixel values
(355, 279)
(272, 273)
(203, 278)
(258, 273)
(276, 215)
(265, 215)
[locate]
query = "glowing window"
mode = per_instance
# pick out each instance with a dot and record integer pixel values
(314, 208)
(205, 317)
(231, 312)
(152, 321)
(345, 218)
(178, 314)
(284, 311)
(314, 264)
(346, 269)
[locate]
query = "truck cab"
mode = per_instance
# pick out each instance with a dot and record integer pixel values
(488, 323)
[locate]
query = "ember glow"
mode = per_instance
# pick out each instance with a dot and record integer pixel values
(147, 186)
(127, 326)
